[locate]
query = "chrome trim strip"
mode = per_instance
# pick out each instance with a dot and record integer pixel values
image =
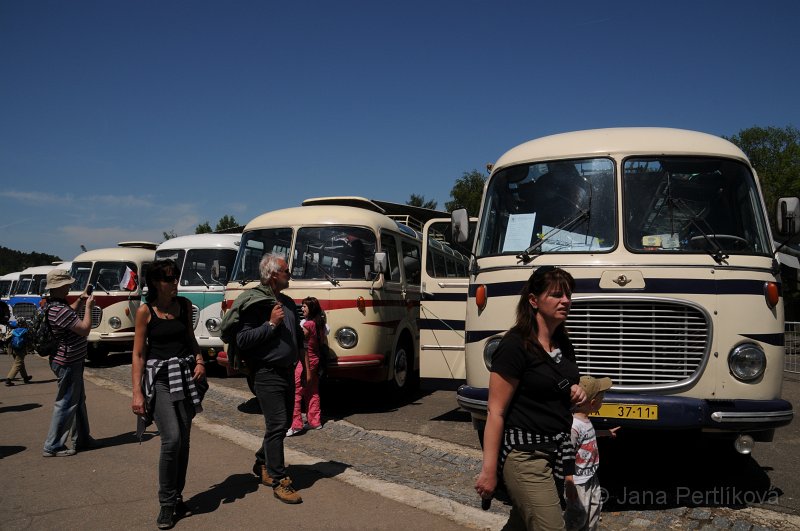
(751, 416)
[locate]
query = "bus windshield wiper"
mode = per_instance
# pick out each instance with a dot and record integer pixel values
(201, 278)
(327, 276)
(527, 255)
(99, 285)
(714, 250)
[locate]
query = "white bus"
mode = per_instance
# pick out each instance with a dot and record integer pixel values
(677, 294)
(363, 266)
(117, 274)
(8, 284)
(206, 263)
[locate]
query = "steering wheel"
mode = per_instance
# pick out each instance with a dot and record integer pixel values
(736, 242)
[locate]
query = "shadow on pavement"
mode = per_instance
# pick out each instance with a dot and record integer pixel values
(118, 440)
(342, 398)
(19, 407)
(646, 471)
(6, 451)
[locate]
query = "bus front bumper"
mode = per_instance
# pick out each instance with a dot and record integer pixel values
(665, 412)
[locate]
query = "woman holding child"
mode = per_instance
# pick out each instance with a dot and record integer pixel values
(532, 387)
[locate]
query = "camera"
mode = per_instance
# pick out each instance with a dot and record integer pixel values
(89, 289)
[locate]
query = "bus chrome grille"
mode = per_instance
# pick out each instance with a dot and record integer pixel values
(97, 315)
(195, 315)
(24, 310)
(639, 343)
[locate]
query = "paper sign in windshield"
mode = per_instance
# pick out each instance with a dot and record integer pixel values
(561, 240)
(519, 232)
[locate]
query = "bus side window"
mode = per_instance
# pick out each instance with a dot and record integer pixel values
(389, 246)
(411, 263)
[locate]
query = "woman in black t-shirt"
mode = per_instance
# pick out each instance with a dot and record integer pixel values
(168, 381)
(532, 387)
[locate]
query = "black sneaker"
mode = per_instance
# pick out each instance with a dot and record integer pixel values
(166, 517)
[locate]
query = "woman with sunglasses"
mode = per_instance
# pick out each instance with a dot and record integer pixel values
(532, 386)
(168, 381)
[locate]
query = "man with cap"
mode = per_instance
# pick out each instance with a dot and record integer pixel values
(584, 497)
(70, 419)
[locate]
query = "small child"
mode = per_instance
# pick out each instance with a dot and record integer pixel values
(583, 509)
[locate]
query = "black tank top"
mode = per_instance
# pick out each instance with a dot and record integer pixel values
(166, 338)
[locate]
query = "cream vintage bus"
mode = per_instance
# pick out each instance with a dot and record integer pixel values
(677, 294)
(364, 268)
(117, 275)
(206, 264)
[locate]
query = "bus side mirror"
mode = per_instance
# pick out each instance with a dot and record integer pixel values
(788, 216)
(459, 223)
(380, 263)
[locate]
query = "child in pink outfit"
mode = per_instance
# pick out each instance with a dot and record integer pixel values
(308, 391)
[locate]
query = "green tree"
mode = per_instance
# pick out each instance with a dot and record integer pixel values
(226, 222)
(467, 193)
(203, 228)
(419, 201)
(775, 154)
(169, 235)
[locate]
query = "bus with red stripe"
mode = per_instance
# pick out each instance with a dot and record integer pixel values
(363, 265)
(117, 274)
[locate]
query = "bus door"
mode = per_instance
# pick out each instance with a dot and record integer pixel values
(443, 307)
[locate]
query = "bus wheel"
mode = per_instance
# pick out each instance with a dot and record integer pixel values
(403, 374)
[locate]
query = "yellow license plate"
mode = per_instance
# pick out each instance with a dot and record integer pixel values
(628, 411)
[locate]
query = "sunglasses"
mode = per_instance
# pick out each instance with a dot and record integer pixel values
(169, 278)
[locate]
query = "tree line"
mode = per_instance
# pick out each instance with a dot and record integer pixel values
(12, 261)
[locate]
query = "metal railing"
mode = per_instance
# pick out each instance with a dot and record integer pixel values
(792, 344)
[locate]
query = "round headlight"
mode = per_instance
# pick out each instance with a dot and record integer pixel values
(747, 362)
(488, 351)
(212, 324)
(347, 337)
(115, 323)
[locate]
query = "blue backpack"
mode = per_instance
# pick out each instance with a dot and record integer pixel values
(19, 338)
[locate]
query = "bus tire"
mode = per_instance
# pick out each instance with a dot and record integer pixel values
(404, 376)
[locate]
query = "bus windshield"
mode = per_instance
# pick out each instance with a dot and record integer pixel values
(176, 255)
(692, 205)
(333, 252)
(5, 288)
(207, 267)
(113, 276)
(80, 272)
(550, 207)
(255, 244)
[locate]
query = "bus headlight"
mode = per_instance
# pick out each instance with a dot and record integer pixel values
(346, 337)
(488, 351)
(115, 323)
(747, 362)
(212, 324)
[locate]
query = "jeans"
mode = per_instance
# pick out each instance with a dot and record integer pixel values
(275, 392)
(174, 423)
(70, 418)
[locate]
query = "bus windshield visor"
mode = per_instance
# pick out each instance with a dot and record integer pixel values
(692, 205)
(333, 253)
(563, 206)
(255, 244)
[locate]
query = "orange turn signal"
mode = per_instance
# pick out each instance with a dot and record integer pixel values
(481, 297)
(771, 293)
(127, 312)
(361, 304)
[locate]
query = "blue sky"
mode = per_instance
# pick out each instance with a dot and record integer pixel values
(120, 120)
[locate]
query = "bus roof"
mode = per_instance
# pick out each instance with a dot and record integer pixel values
(621, 140)
(37, 270)
(317, 215)
(117, 254)
(11, 276)
(203, 241)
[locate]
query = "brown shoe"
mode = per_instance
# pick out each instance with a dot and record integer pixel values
(284, 491)
(260, 471)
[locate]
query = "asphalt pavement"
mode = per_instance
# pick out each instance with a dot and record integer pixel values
(114, 486)
(363, 471)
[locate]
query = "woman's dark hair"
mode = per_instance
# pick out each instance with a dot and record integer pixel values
(158, 271)
(544, 280)
(315, 314)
